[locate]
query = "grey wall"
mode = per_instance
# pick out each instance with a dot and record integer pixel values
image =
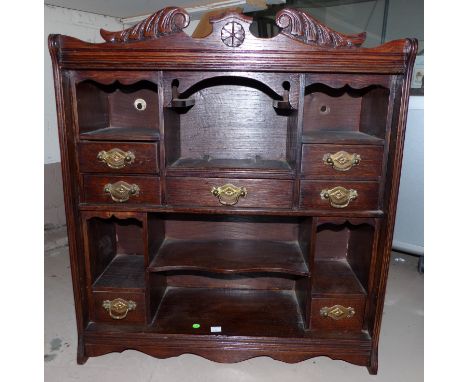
(85, 26)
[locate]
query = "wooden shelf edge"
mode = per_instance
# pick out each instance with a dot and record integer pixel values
(229, 211)
(174, 252)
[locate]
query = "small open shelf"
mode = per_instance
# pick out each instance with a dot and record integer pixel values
(343, 255)
(121, 134)
(255, 164)
(335, 277)
(117, 111)
(115, 248)
(124, 271)
(230, 256)
(345, 115)
(340, 137)
(260, 313)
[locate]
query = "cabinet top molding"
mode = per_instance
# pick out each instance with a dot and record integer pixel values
(303, 44)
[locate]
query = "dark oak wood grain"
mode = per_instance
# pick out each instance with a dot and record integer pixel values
(237, 312)
(199, 113)
(260, 192)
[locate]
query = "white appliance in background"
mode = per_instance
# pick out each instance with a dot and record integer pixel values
(409, 225)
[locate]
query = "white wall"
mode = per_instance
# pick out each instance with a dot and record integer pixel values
(409, 225)
(84, 26)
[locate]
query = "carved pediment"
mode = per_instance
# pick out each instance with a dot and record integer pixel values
(234, 28)
(164, 22)
(301, 26)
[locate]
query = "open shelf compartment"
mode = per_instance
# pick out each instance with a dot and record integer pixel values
(229, 244)
(212, 133)
(118, 112)
(344, 249)
(340, 278)
(229, 312)
(115, 251)
(345, 114)
(245, 274)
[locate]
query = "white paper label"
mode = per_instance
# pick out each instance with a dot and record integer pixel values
(216, 329)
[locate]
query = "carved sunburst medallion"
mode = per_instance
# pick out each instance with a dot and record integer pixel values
(233, 34)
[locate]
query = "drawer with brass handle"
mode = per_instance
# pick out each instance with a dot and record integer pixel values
(119, 307)
(229, 193)
(121, 189)
(342, 161)
(117, 157)
(333, 195)
(337, 312)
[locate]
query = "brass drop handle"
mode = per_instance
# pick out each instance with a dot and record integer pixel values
(337, 312)
(339, 197)
(121, 191)
(342, 160)
(116, 158)
(228, 195)
(119, 308)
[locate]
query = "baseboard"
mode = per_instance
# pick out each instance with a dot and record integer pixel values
(408, 248)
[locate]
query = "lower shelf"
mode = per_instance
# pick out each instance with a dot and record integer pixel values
(236, 312)
(123, 272)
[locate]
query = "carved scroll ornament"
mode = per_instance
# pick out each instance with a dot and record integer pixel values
(303, 27)
(164, 22)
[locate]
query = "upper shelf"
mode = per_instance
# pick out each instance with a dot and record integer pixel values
(121, 134)
(303, 44)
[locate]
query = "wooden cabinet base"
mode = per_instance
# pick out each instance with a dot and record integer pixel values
(226, 350)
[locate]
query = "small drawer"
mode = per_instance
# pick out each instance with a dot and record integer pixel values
(337, 313)
(135, 158)
(119, 307)
(229, 193)
(121, 189)
(333, 195)
(344, 161)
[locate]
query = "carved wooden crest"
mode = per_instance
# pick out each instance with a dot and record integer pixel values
(303, 27)
(164, 22)
(293, 23)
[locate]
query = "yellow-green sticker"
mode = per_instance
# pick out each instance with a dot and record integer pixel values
(196, 326)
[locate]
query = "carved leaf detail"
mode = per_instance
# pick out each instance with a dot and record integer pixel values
(164, 22)
(303, 27)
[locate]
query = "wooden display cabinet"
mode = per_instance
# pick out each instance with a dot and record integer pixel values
(231, 196)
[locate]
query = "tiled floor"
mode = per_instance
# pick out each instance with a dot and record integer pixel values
(400, 360)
